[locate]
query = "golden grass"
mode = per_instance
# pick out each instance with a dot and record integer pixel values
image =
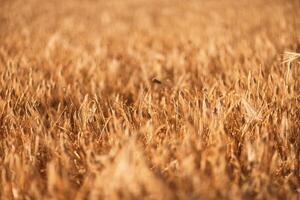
(139, 99)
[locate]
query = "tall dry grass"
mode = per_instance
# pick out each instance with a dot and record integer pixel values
(139, 99)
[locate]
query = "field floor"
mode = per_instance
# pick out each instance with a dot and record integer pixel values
(150, 99)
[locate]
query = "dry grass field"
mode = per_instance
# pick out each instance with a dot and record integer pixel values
(150, 99)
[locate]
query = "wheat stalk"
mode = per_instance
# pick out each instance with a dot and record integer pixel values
(290, 57)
